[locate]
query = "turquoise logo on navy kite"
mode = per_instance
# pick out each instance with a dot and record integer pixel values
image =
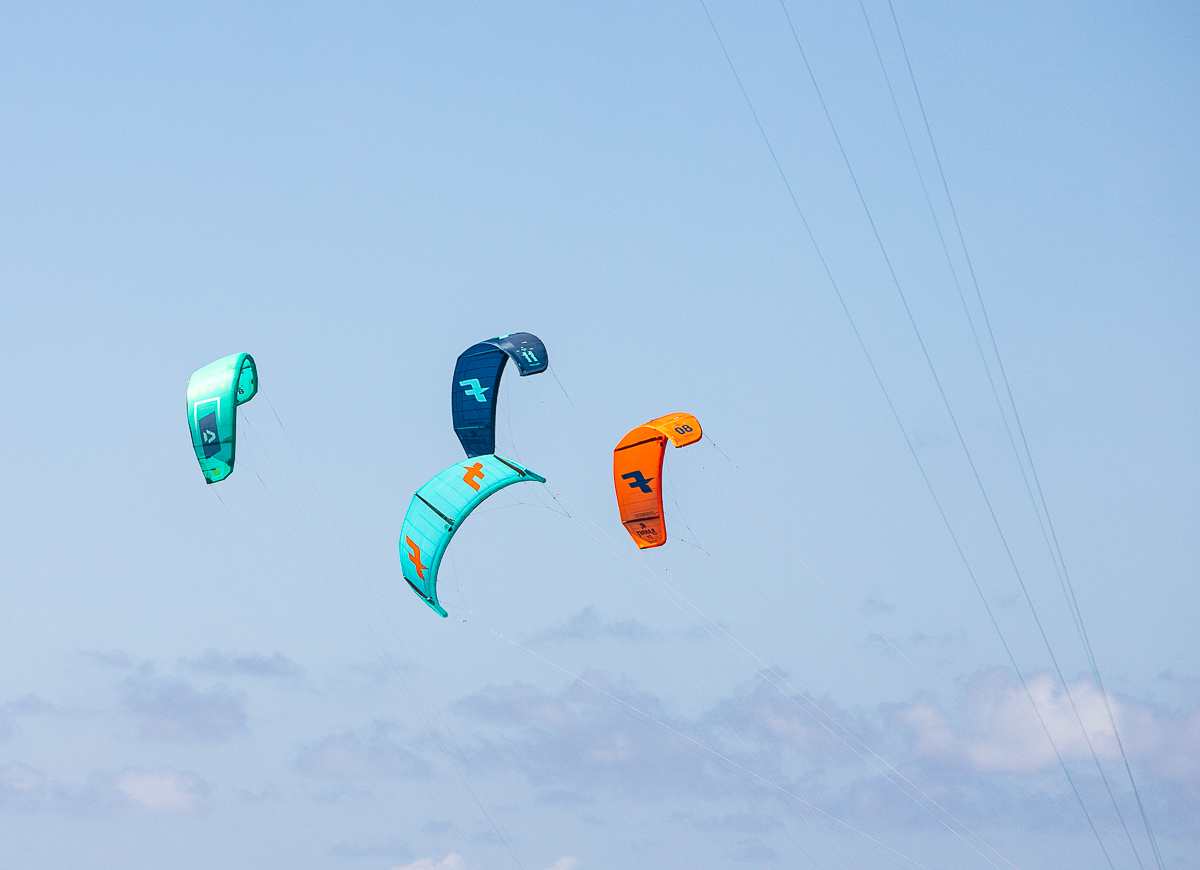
(474, 389)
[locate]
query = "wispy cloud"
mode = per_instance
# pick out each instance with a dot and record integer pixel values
(173, 709)
(1003, 733)
(583, 735)
(277, 666)
(355, 755)
(563, 797)
(587, 625)
(29, 705)
(767, 717)
(136, 791)
(130, 791)
(161, 791)
(393, 848)
(22, 787)
(455, 861)
(118, 659)
(450, 862)
(994, 764)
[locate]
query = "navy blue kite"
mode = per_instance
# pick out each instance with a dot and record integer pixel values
(477, 380)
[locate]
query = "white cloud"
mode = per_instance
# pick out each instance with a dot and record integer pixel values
(566, 862)
(1168, 742)
(21, 787)
(575, 747)
(21, 777)
(1005, 734)
(161, 791)
(132, 790)
(450, 862)
(1001, 734)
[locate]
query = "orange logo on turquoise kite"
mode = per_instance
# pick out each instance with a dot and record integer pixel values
(414, 556)
(474, 472)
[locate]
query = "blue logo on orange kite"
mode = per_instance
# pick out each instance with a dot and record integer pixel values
(637, 481)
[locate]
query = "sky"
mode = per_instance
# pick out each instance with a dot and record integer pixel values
(929, 594)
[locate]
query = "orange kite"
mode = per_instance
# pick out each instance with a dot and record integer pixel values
(637, 474)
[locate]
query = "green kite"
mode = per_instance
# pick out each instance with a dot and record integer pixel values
(213, 394)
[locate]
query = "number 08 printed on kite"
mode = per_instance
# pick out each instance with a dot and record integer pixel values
(637, 474)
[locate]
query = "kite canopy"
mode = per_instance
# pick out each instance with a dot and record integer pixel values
(213, 393)
(439, 508)
(477, 380)
(637, 474)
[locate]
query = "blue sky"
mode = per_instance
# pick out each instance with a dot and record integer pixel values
(806, 675)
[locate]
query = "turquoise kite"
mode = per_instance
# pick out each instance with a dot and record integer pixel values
(439, 508)
(213, 393)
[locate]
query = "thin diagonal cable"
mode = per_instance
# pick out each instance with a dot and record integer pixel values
(1072, 608)
(937, 380)
(571, 444)
(345, 679)
(958, 433)
(748, 776)
(875, 631)
(870, 626)
(560, 385)
(382, 653)
(708, 620)
(464, 773)
(827, 721)
(753, 723)
(874, 369)
(721, 714)
(617, 553)
(1066, 579)
(694, 745)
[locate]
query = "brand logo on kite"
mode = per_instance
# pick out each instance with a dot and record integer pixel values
(474, 472)
(474, 389)
(637, 481)
(414, 556)
(529, 355)
(208, 434)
